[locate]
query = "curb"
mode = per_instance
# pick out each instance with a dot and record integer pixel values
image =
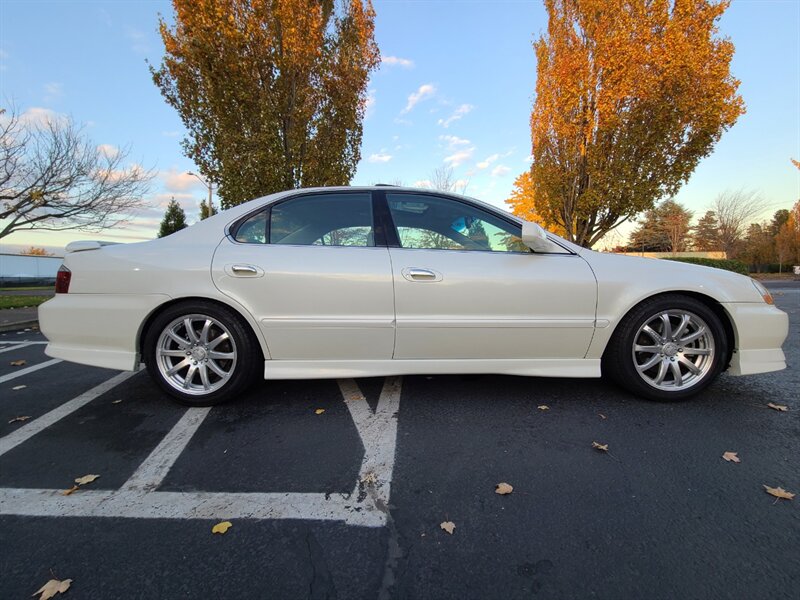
(18, 325)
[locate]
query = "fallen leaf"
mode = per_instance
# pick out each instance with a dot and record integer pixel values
(221, 527)
(20, 363)
(319, 411)
(86, 479)
(19, 387)
(601, 447)
(20, 418)
(448, 526)
(543, 407)
(116, 401)
(779, 407)
(503, 489)
(779, 492)
(53, 587)
(731, 457)
(602, 416)
(69, 492)
(356, 397)
(369, 478)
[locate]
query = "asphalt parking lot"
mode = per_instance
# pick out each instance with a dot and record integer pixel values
(337, 489)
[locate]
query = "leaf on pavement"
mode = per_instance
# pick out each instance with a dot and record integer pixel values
(543, 407)
(86, 479)
(355, 397)
(116, 401)
(53, 587)
(602, 416)
(319, 411)
(369, 478)
(779, 407)
(68, 492)
(731, 457)
(19, 387)
(221, 527)
(503, 489)
(448, 526)
(601, 447)
(779, 492)
(20, 418)
(19, 363)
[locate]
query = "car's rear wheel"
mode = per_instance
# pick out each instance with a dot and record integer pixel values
(667, 348)
(201, 353)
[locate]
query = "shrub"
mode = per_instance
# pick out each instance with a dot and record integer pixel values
(736, 266)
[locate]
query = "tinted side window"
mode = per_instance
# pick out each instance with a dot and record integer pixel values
(253, 230)
(323, 220)
(437, 223)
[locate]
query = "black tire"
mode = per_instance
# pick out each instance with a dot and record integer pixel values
(240, 372)
(619, 359)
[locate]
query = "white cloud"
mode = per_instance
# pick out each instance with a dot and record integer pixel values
(53, 90)
(453, 141)
(457, 114)
(108, 150)
(500, 170)
(179, 181)
(487, 161)
(425, 91)
(459, 158)
(138, 39)
(380, 157)
(397, 61)
(423, 183)
(529, 159)
(369, 104)
(39, 117)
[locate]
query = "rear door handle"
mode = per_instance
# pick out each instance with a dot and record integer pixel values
(421, 275)
(240, 270)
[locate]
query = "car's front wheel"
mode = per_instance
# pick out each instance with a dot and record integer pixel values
(667, 348)
(201, 353)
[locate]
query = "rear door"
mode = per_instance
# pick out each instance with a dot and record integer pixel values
(309, 270)
(466, 287)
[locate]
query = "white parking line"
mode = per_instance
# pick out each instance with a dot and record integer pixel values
(21, 372)
(15, 347)
(154, 469)
(365, 506)
(25, 432)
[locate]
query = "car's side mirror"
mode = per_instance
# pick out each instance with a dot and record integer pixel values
(535, 237)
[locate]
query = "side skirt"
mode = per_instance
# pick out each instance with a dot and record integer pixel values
(332, 369)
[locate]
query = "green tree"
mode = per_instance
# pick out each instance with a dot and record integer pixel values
(630, 96)
(206, 210)
(779, 219)
(174, 219)
(272, 92)
(758, 247)
(706, 233)
(665, 228)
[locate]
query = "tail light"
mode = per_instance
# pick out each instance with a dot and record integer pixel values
(63, 277)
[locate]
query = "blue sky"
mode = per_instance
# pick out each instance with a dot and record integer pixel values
(456, 88)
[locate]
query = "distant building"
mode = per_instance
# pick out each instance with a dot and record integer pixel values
(18, 269)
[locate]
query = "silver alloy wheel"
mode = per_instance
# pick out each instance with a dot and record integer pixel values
(673, 350)
(196, 354)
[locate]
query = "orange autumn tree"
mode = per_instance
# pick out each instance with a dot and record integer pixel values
(523, 204)
(630, 96)
(271, 92)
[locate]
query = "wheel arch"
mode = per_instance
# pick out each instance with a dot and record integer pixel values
(243, 315)
(712, 303)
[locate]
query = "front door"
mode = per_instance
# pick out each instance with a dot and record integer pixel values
(466, 287)
(309, 271)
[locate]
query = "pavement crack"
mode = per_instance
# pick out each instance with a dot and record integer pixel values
(321, 586)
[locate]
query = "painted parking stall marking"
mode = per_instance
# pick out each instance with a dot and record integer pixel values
(139, 497)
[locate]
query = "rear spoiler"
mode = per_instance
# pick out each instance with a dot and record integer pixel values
(87, 245)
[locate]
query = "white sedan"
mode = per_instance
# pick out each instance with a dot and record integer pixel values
(373, 281)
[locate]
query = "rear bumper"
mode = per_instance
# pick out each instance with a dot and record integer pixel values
(760, 332)
(100, 330)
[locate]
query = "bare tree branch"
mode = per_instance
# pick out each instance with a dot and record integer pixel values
(735, 210)
(53, 177)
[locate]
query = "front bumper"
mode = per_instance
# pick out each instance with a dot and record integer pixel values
(760, 331)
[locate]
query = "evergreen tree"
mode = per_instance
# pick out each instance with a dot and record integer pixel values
(206, 210)
(174, 219)
(706, 233)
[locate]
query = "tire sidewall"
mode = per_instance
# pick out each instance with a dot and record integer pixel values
(620, 361)
(247, 350)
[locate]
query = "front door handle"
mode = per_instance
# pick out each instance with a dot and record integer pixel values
(420, 274)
